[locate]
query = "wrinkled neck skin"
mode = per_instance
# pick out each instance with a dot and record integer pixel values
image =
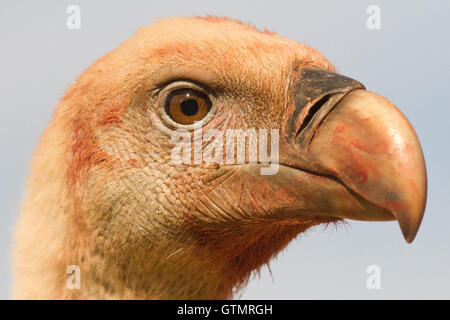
(181, 275)
(180, 269)
(177, 271)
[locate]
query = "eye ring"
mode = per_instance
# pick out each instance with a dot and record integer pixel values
(184, 103)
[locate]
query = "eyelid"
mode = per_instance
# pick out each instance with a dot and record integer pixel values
(187, 84)
(173, 86)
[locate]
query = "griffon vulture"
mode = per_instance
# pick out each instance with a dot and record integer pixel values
(105, 195)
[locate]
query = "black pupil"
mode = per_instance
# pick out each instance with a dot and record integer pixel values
(189, 107)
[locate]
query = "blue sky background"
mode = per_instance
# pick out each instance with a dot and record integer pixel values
(407, 60)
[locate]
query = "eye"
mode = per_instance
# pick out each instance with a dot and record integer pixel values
(186, 106)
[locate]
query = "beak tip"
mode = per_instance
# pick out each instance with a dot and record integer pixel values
(410, 228)
(409, 238)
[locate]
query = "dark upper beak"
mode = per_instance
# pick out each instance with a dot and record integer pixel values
(338, 130)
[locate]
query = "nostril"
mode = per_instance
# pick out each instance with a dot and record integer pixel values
(312, 111)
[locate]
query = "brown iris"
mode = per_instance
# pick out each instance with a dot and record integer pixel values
(187, 106)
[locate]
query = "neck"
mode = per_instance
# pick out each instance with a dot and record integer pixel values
(183, 274)
(179, 270)
(173, 273)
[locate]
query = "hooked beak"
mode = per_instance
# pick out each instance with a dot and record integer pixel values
(340, 131)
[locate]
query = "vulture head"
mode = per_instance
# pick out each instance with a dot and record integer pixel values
(107, 195)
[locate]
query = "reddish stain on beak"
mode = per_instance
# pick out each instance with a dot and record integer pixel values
(366, 143)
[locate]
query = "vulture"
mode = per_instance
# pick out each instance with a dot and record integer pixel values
(104, 193)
